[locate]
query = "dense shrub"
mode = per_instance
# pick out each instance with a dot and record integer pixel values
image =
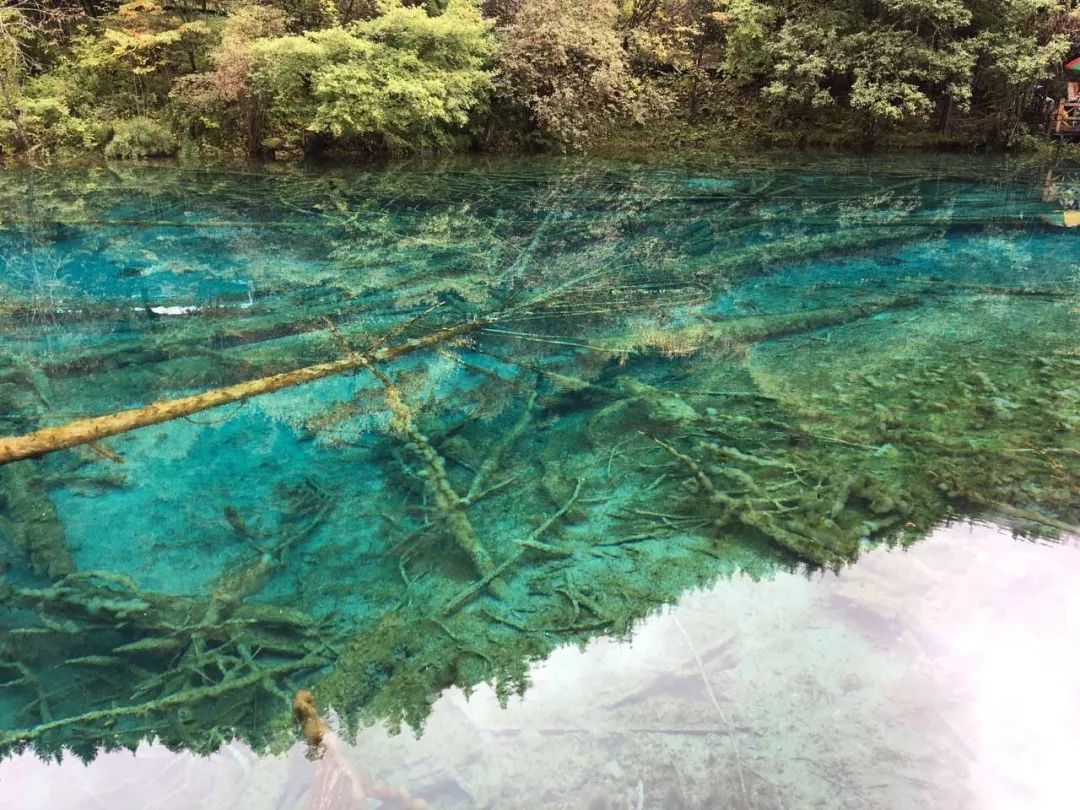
(564, 64)
(899, 60)
(138, 138)
(403, 80)
(128, 60)
(46, 124)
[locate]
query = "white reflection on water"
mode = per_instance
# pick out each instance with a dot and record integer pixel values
(944, 676)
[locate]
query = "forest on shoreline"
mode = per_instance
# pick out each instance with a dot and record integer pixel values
(231, 79)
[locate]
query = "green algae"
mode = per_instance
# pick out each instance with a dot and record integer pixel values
(666, 384)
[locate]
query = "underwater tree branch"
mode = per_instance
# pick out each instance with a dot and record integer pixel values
(185, 697)
(530, 542)
(451, 507)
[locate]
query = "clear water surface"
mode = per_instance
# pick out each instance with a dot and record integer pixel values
(665, 483)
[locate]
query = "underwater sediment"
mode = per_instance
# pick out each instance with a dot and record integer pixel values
(557, 395)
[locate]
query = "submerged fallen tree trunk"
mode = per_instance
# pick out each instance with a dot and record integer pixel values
(90, 430)
(218, 333)
(95, 428)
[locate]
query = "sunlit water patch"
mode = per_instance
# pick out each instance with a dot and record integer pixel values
(456, 417)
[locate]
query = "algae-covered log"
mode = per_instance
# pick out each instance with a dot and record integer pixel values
(92, 429)
(450, 507)
(29, 518)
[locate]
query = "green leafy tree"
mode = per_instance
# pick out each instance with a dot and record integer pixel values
(403, 80)
(222, 104)
(146, 45)
(564, 66)
(676, 45)
(12, 30)
(35, 105)
(894, 60)
(1020, 43)
(892, 63)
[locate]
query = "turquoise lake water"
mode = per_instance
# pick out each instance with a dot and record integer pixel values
(714, 484)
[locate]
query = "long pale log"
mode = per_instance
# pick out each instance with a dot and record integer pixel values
(95, 428)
